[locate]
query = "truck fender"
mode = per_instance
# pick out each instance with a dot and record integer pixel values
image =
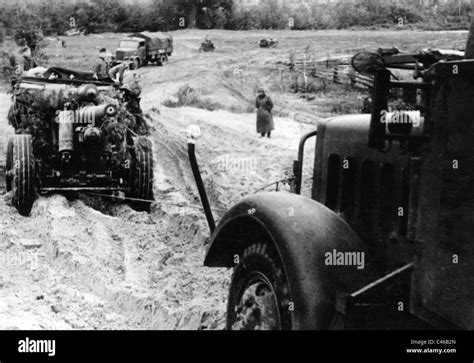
(306, 235)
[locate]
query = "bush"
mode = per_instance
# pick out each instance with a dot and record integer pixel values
(110, 16)
(188, 96)
(2, 33)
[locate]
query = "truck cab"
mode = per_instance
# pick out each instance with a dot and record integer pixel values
(133, 50)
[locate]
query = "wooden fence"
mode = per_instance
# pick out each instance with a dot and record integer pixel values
(337, 70)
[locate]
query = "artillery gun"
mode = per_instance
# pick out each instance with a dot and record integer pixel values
(74, 133)
(384, 241)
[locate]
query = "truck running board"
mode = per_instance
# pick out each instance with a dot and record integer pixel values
(371, 308)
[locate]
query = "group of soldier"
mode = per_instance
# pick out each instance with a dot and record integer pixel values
(119, 72)
(106, 69)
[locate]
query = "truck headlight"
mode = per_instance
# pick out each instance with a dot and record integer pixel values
(193, 132)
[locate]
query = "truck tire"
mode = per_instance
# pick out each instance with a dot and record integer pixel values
(141, 175)
(23, 174)
(136, 63)
(259, 294)
(9, 165)
(162, 60)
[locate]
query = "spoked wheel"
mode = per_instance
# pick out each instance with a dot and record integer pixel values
(259, 294)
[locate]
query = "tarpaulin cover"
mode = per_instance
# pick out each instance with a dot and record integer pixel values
(156, 40)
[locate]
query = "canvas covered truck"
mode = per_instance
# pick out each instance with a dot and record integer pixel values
(385, 239)
(74, 133)
(139, 49)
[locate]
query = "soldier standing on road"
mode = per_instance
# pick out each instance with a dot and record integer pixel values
(264, 107)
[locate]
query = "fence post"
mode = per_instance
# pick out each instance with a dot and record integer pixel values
(352, 77)
(281, 80)
(335, 76)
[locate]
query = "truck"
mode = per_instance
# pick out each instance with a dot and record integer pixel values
(385, 238)
(76, 134)
(139, 49)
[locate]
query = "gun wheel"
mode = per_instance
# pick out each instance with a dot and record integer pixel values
(22, 173)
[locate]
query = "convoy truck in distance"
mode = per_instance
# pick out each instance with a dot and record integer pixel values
(142, 48)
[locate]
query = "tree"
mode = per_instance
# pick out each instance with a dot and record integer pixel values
(194, 9)
(470, 41)
(2, 33)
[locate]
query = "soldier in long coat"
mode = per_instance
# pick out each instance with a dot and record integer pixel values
(264, 106)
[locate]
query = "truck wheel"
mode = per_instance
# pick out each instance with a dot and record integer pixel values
(258, 294)
(136, 63)
(9, 165)
(141, 175)
(163, 60)
(23, 174)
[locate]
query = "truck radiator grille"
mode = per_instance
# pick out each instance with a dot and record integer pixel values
(372, 197)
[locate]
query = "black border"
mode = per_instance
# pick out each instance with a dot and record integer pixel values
(224, 345)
